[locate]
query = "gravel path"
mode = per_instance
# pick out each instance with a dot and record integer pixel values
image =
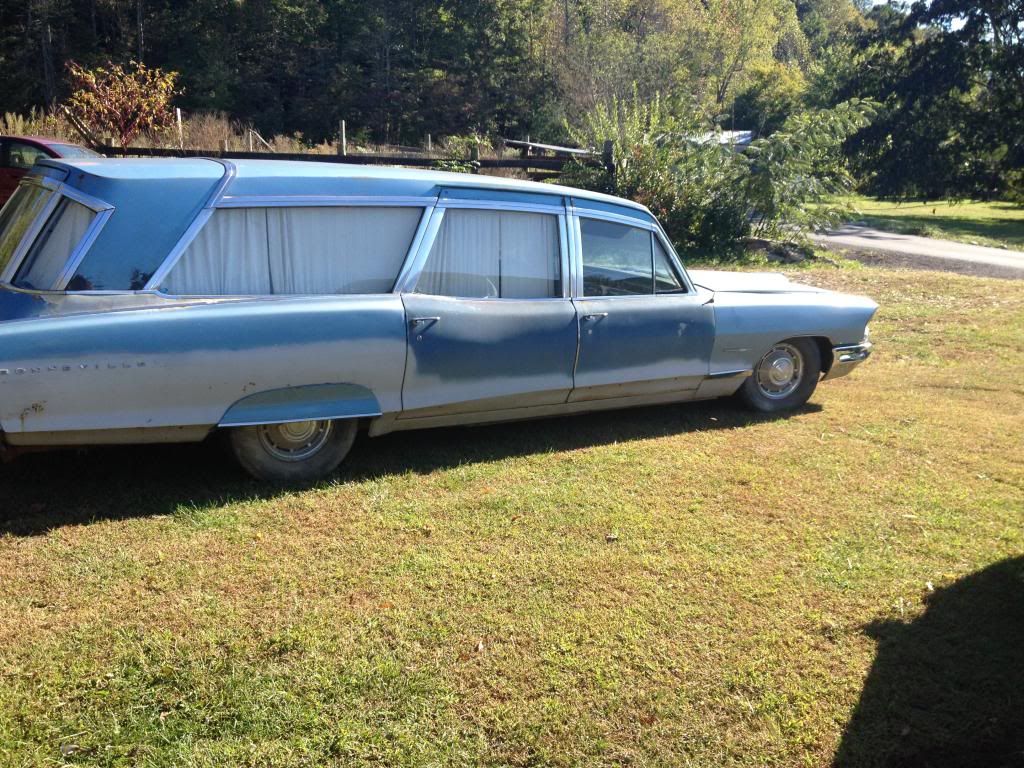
(872, 246)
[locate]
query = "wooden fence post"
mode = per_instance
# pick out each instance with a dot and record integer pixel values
(342, 139)
(474, 157)
(608, 156)
(223, 146)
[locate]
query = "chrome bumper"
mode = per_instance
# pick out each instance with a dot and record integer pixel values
(846, 358)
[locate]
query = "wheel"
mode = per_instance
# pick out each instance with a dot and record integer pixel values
(296, 452)
(784, 378)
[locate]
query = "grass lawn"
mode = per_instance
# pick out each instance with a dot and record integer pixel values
(995, 224)
(672, 586)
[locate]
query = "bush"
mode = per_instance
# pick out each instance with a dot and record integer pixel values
(710, 196)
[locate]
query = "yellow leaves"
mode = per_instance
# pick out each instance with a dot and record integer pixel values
(123, 101)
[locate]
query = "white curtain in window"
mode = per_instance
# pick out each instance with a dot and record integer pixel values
(338, 250)
(487, 254)
(229, 257)
(530, 260)
(464, 258)
(53, 248)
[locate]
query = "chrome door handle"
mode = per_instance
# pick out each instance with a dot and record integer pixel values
(594, 316)
(418, 321)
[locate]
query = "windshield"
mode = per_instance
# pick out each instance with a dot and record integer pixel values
(17, 216)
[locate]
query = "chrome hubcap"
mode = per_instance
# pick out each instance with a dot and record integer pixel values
(296, 441)
(780, 371)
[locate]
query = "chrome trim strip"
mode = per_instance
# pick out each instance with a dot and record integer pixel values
(231, 424)
(328, 201)
(197, 224)
(564, 277)
(738, 374)
(586, 213)
(499, 205)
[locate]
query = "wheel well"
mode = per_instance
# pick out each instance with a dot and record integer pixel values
(825, 348)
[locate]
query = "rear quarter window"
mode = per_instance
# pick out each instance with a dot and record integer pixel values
(296, 251)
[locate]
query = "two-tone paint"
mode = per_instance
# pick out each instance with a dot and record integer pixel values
(120, 361)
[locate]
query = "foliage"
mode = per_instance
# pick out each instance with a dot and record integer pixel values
(123, 101)
(707, 194)
(795, 173)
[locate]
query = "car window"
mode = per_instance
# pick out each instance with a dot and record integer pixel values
(494, 254)
(23, 156)
(617, 259)
(665, 278)
(297, 251)
(73, 150)
(17, 216)
(51, 250)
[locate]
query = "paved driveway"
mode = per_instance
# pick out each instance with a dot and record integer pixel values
(923, 252)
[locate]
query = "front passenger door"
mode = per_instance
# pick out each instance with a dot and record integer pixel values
(643, 330)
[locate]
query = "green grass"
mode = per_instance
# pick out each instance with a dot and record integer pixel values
(993, 224)
(687, 585)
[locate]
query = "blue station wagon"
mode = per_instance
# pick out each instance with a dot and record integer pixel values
(291, 304)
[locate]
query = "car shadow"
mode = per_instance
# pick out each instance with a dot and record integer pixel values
(42, 491)
(947, 689)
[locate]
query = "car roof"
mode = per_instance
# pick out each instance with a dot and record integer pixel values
(45, 141)
(252, 177)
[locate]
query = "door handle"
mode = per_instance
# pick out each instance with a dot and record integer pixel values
(594, 316)
(418, 322)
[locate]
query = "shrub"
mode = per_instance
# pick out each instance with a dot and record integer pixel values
(710, 196)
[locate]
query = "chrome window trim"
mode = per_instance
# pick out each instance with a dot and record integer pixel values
(324, 201)
(58, 189)
(423, 241)
(190, 233)
(587, 213)
(500, 205)
(410, 274)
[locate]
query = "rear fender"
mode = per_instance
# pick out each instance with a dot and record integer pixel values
(305, 403)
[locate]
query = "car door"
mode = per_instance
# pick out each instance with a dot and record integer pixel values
(16, 159)
(644, 330)
(490, 322)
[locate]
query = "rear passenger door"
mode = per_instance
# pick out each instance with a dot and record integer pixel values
(490, 322)
(643, 328)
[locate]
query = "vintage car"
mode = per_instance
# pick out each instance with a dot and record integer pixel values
(289, 305)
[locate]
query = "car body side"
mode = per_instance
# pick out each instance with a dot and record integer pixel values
(136, 365)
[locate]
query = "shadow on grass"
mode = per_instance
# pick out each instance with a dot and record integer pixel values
(948, 688)
(43, 491)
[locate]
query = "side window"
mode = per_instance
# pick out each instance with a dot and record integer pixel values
(616, 259)
(494, 254)
(298, 251)
(665, 278)
(23, 156)
(17, 216)
(53, 247)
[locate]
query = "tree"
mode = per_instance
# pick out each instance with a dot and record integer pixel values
(125, 102)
